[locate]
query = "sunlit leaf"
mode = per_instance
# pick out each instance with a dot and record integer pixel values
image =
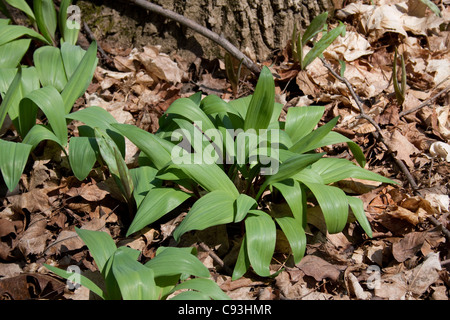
(156, 203)
(261, 237)
(214, 208)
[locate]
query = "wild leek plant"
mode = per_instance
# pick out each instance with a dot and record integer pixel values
(299, 40)
(231, 158)
(158, 279)
(60, 75)
(58, 79)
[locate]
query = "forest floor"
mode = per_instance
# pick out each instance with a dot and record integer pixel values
(408, 256)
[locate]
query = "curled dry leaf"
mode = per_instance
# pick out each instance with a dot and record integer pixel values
(348, 48)
(375, 21)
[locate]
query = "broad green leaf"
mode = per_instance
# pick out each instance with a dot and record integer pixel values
(210, 177)
(261, 107)
(204, 286)
(77, 278)
(13, 158)
(136, 282)
(323, 44)
(81, 78)
(154, 147)
(156, 203)
(243, 262)
(187, 109)
(115, 162)
(293, 194)
(49, 65)
(300, 121)
(10, 96)
(176, 261)
(357, 207)
(333, 138)
(144, 179)
(214, 208)
(82, 156)
(333, 170)
(45, 14)
(260, 232)
(243, 204)
(23, 6)
(100, 245)
(241, 106)
(97, 117)
(294, 232)
(334, 205)
(40, 133)
(289, 168)
(315, 27)
(212, 104)
(11, 53)
(190, 295)
(309, 142)
(71, 56)
(12, 32)
(50, 102)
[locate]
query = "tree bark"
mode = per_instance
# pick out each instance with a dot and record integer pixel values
(257, 27)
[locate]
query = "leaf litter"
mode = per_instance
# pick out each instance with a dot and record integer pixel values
(408, 255)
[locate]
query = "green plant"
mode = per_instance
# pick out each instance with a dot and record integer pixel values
(126, 278)
(399, 89)
(231, 159)
(298, 41)
(45, 19)
(59, 76)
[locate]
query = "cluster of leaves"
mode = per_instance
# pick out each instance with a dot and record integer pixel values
(126, 278)
(233, 193)
(59, 76)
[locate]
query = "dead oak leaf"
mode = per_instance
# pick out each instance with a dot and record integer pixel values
(34, 239)
(318, 268)
(414, 242)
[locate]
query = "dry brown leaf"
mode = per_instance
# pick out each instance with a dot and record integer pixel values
(404, 148)
(158, 65)
(348, 48)
(89, 192)
(318, 268)
(34, 239)
(413, 242)
(35, 200)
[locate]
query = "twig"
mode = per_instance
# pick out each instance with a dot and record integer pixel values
(379, 134)
(436, 223)
(220, 40)
(91, 37)
(425, 103)
(216, 258)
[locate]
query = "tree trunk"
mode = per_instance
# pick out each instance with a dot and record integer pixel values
(256, 27)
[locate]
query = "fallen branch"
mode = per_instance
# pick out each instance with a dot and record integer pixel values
(220, 40)
(216, 258)
(378, 134)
